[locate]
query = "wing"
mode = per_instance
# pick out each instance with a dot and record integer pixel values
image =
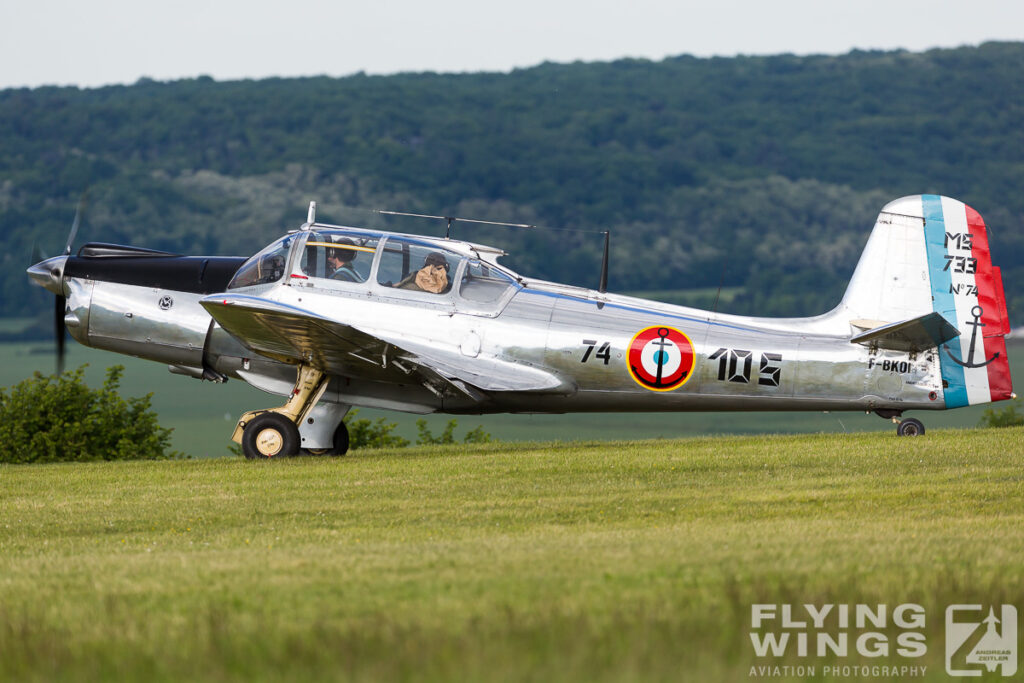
(292, 334)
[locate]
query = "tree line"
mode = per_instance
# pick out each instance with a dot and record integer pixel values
(757, 173)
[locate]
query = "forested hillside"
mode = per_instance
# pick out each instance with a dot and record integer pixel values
(759, 173)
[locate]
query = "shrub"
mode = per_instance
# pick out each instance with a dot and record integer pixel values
(477, 435)
(1007, 417)
(51, 418)
(363, 433)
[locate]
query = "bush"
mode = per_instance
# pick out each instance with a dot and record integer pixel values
(477, 435)
(363, 433)
(1007, 417)
(50, 418)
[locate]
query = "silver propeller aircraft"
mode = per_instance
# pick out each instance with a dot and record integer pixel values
(333, 317)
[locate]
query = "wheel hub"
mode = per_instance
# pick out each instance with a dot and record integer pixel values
(269, 442)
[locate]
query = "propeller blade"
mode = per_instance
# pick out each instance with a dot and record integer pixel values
(37, 253)
(74, 225)
(60, 304)
(74, 230)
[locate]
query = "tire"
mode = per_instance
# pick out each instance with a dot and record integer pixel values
(340, 446)
(270, 435)
(910, 427)
(340, 440)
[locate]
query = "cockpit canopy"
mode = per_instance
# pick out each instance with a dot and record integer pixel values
(388, 265)
(345, 257)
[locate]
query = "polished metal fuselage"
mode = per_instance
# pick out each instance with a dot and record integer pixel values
(581, 336)
(548, 326)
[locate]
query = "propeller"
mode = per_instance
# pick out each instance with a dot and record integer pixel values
(59, 329)
(74, 225)
(60, 302)
(37, 253)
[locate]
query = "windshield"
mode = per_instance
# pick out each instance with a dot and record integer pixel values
(266, 266)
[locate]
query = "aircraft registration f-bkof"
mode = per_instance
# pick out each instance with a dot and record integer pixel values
(334, 317)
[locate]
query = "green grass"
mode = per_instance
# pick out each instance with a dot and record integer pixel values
(203, 414)
(572, 561)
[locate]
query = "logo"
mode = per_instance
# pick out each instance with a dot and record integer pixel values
(660, 358)
(976, 642)
(977, 312)
(166, 302)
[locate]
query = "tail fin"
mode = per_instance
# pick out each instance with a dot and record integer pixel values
(931, 253)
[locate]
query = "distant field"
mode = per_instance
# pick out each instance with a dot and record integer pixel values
(14, 324)
(700, 298)
(544, 562)
(203, 414)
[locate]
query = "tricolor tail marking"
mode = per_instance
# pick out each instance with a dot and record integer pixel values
(967, 290)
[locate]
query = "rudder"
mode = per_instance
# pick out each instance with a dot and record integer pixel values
(968, 291)
(931, 253)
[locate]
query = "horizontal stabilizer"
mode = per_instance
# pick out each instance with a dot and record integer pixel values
(917, 334)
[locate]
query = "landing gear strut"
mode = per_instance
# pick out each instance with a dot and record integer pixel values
(273, 433)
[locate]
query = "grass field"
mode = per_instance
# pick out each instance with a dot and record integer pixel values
(203, 414)
(504, 562)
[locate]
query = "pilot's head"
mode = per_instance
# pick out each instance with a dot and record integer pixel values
(338, 257)
(436, 258)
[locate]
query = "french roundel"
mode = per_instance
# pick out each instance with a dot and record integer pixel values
(660, 358)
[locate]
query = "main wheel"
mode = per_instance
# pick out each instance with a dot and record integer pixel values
(270, 435)
(340, 446)
(910, 427)
(340, 440)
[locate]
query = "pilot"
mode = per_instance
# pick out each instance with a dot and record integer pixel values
(339, 260)
(432, 277)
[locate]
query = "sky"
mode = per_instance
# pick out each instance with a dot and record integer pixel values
(89, 44)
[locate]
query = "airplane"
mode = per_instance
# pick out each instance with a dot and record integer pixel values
(333, 317)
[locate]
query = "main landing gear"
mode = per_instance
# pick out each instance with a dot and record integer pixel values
(270, 435)
(274, 433)
(906, 427)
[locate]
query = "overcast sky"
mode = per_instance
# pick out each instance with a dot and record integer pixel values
(76, 42)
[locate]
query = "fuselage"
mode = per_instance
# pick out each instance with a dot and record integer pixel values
(738, 363)
(148, 306)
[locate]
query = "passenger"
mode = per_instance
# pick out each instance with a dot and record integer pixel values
(340, 260)
(432, 277)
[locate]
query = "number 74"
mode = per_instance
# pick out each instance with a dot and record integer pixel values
(604, 352)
